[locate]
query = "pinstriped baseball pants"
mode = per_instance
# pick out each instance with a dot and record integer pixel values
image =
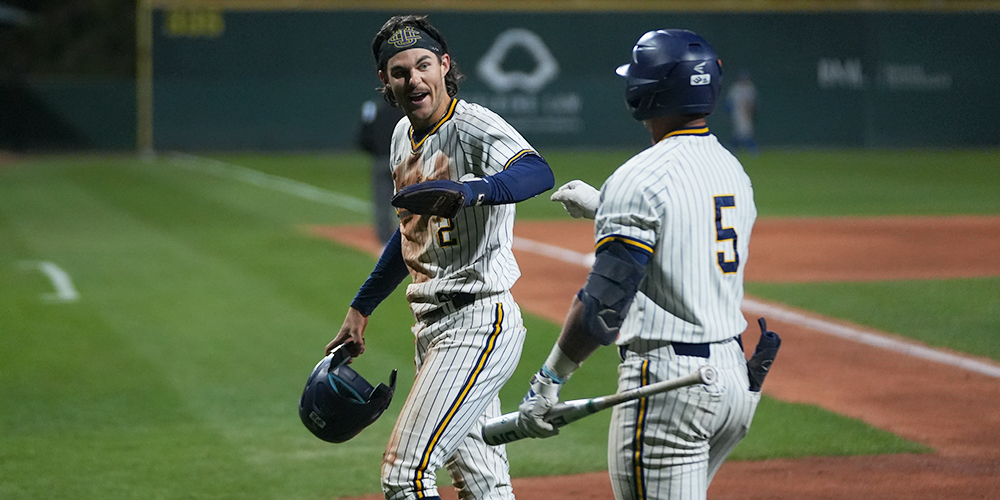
(670, 445)
(462, 361)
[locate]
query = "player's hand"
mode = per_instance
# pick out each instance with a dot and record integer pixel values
(578, 198)
(352, 332)
(542, 394)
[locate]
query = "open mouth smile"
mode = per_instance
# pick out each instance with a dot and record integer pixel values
(417, 97)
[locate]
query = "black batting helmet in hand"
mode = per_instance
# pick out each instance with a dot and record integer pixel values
(338, 403)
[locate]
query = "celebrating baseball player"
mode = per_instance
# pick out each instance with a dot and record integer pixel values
(458, 169)
(672, 231)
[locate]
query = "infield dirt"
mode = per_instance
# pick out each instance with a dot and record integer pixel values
(952, 410)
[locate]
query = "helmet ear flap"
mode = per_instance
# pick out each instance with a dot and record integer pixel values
(337, 403)
(636, 103)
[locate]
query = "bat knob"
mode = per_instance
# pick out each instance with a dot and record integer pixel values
(708, 375)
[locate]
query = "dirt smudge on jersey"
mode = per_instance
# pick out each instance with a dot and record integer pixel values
(418, 230)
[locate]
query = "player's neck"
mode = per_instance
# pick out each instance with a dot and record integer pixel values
(419, 133)
(660, 126)
(424, 127)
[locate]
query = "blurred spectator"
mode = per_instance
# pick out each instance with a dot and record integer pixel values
(378, 119)
(741, 103)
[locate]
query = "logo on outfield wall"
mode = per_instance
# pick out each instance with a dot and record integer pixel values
(491, 65)
(519, 95)
(850, 74)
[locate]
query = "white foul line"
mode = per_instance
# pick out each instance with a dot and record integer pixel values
(856, 335)
(789, 316)
(310, 192)
(65, 291)
(554, 252)
(273, 182)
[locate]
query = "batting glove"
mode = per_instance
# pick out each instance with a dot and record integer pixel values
(542, 394)
(578, 198)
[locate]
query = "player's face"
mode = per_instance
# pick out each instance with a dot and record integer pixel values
(416, 78)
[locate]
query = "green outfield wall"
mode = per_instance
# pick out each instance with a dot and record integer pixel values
(289, 80)
(279, 79)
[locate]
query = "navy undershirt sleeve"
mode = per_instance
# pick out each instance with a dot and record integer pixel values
(529, 176)
(387, 275)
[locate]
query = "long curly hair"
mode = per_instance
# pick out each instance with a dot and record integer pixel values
(451, 79)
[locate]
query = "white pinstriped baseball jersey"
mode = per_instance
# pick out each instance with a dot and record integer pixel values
(471, 252)
(689, 201)
(466, 356)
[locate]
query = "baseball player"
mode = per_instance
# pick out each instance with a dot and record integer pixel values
(741, 101)
(468, 330)
(378, 120)
(672, 233)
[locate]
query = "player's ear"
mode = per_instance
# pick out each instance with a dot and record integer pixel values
(445, 63)
(381, 76)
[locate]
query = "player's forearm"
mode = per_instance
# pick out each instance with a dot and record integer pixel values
(389, 272)
(573, 347)
(527, 177)
(574, 341)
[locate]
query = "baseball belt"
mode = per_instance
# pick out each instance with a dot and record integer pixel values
(699, 350)
(456, 302)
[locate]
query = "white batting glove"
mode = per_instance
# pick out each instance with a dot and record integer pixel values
(542, 395)
(578, 198)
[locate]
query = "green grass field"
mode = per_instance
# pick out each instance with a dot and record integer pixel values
(202, 306)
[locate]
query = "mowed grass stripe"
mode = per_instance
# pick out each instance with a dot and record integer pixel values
(216, 335)
(81, 402)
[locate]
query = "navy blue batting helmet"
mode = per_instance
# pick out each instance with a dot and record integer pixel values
(338, 403)
(671, 72)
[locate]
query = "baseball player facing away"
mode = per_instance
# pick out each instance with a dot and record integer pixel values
(672, 232)
(468, 330)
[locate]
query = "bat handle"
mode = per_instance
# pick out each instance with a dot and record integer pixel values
(503, 429)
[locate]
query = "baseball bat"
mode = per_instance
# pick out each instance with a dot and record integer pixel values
(503, 429)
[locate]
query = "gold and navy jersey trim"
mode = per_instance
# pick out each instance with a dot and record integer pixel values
(416, 145)
(484, 356)
(640, 429)
(518, 156)
(626, 240)
(688, 131)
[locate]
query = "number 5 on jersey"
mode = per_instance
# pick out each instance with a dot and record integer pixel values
(726, 234)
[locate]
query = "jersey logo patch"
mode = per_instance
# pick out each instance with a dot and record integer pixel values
(404, 37)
